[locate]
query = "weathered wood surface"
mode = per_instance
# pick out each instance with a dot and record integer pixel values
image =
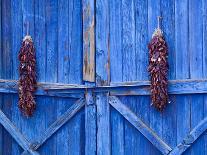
(190, 138)
(88, 11)
(56, 29)
(139, 125)
(103, 124)
(90, 124)
(16, 134)
(120, 89)
(58, 124)
(182, 68)
(102, 77)
(88, 40)
(66, 33)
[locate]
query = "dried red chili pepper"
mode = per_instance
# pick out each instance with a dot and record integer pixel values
(158, 68)
(27, 79)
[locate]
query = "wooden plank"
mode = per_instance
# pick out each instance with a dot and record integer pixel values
(88, 40)
(76, 43)
(131, 136)
(124, 88)
(6, 67)
(182, 67)
(175, 87)
(51, 68)
(65, 20)
(90, 124)
(204, 40)
(88, 12)
(103, 125)
(117, 121)
(139, 125)
(102, 77)
(191, 138)
(44, 89)
(15, 133)
(58, 123)
(39, 123)
(76, 73)
(1, 99)
(196, 60)
(16, 39)
(141, 104)
(28, 28)
(102, 43)
(169, 124)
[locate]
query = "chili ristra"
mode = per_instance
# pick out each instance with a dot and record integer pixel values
(27, 79)
(158, 69)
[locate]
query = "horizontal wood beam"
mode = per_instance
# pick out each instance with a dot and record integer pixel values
(190, 138)
(45, 89)
(174, 87)
(58, 123)
(115, 89)
(16, 134)
(139, 125)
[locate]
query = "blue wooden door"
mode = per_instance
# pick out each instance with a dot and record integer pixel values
(56, 28)
(93, 87)
(136, 127)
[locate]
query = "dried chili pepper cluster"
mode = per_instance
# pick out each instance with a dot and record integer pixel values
(27, 80)
(158, 68)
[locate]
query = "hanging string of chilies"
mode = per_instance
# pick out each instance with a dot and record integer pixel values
(158, 68)
(27, 80)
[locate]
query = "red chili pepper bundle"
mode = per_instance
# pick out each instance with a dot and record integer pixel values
(27, 80)
(158, 68)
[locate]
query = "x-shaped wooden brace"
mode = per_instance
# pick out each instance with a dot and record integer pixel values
(32, 147)
(152, 136)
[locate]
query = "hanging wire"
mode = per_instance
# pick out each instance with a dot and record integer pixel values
(27, 28)
(159, 21)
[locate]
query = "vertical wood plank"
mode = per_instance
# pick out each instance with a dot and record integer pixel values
(17, 36)
(89, 74)
(129, 71)
(6, 40)
(40, 45)
(117, 121)
(102, 77)
(182, 66)
(76, 43)
(6, 68)
(34, 15)
(155, 116)
(103, 125)
(63, 68)
(204, 13)
(102, 43)
(1, 105)
(88, 40)
(90, 124)
(168, 26)
(75, 74)
(142, 103)
(196, 53)
(28, 25)
(51, 70)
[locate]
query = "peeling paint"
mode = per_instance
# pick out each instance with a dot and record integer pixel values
(88, 46)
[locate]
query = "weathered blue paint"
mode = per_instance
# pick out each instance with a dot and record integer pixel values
(68, 35)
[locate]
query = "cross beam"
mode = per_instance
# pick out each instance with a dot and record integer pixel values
(139, 125)
(31, 147)
(151, 135)
(16, 134)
